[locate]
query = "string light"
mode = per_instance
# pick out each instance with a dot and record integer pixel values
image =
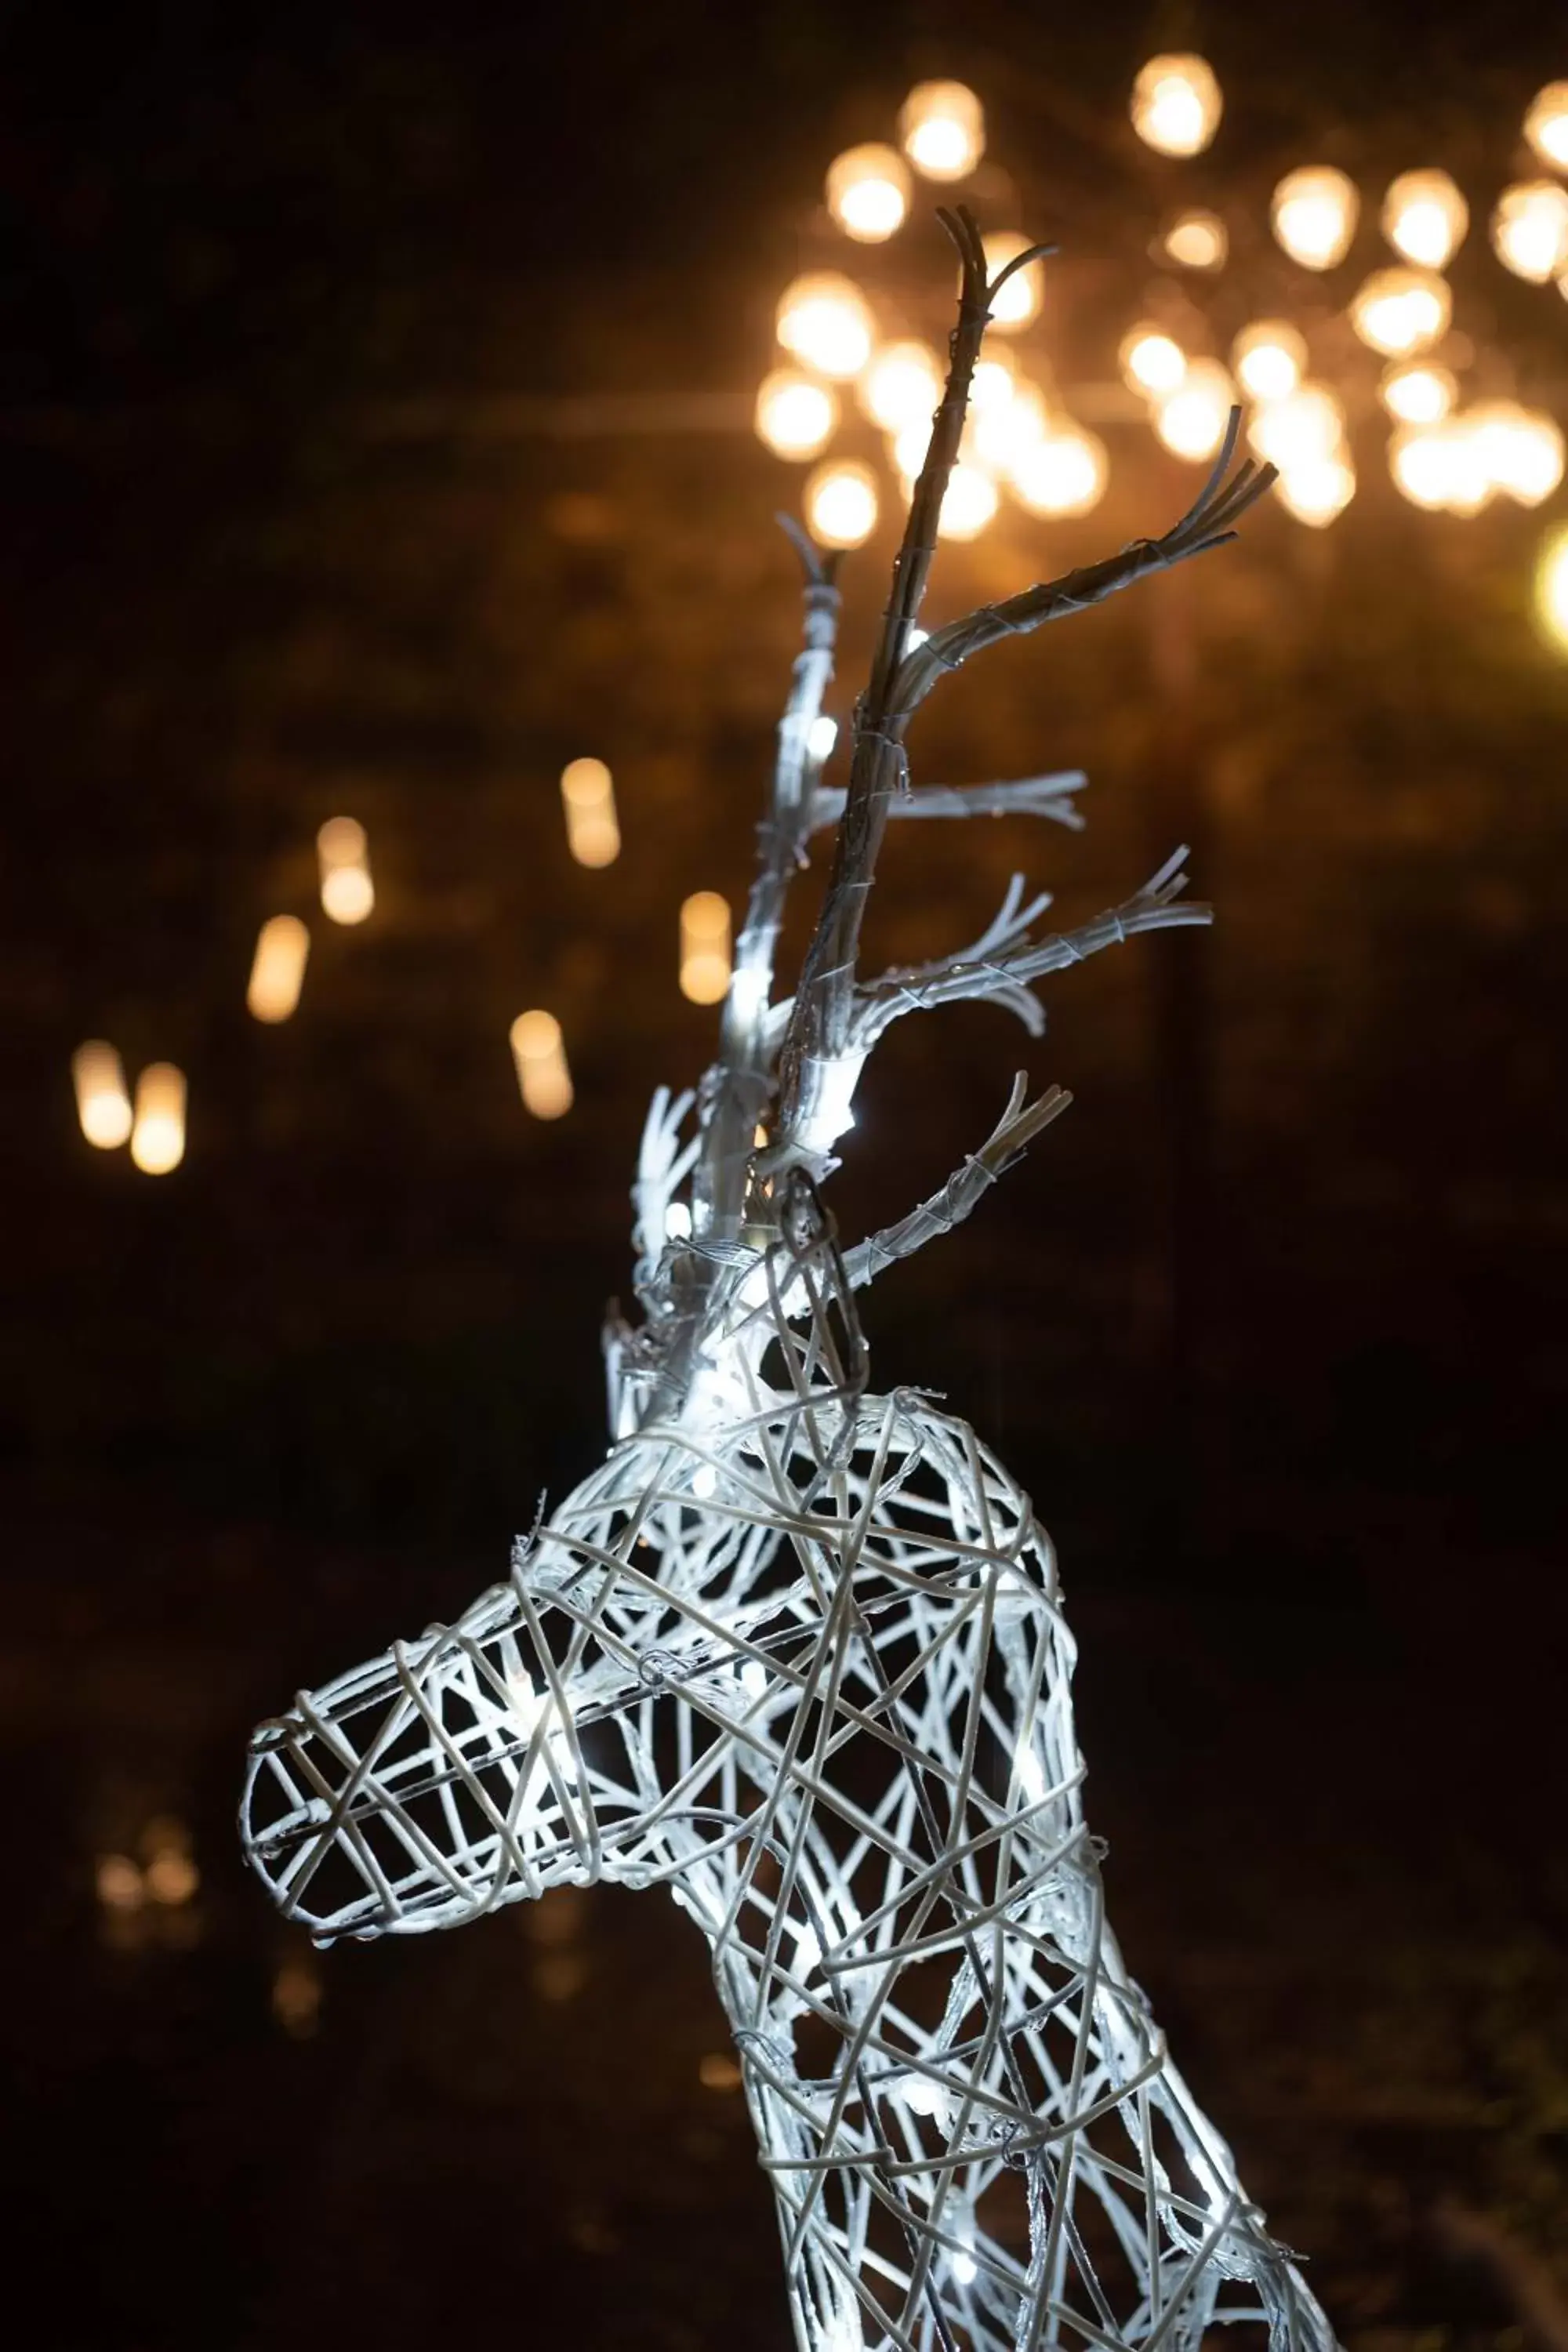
(1521, 449)
(901, 386)
(841, 504)
(824, 319)
(1425, 217)
(1551, 588)
(1313, 213)
(348, 894)
(158, 1133)
(1546, 124)
(1007, 431)
(1401, 311)
(1318, 489)
(1421, 460)
(588, 803)
(942, 127)
(539, 1052)
(1196, 240)
(869, 193)
(704, 946)
(1019, 300)
(1306, 428)
(1269, 359)
(1421, 394)
(795, 417)
(1151, 361)
(1064, 474)
(968, 503)
(102, 1104)
(277, 969)
(1176, 105)
(1529, 230)
(1192, 420)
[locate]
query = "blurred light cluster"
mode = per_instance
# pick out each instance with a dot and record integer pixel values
(146, 1894)
(1176, 105)
(1460, 460)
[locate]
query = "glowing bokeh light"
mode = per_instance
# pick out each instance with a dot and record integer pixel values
(1306, 428)
(968, 503)
(1421, 393)
(1551, 588)
(158, 1133)
(1019, 300)
(825, 321)
(1269, 359)
(538, 1054)
(1177, 104)
(841, 504)
(795, 417)
(102, 1103)
(277, 969)
(1529, 230)
(901, 386)
(1192, 420)
(1313, 213)
(1196, 240)
(1546, 124)
(1401, 311)
(1425, 217)
(942, 127)
(869, 193)
(704, 946)
(1318, 489)
(1151, 361)
(1063, 474)
(588, 805)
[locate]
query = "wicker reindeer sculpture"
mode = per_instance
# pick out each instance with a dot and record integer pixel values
(797, 1651)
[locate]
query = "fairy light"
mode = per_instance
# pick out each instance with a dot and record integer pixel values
(1546, 124)
(1313, 213)
(1418, 394)
(1401, 311)
(1151, 361)
(1306, 428)
(1192, 420)
(942, 127)
(1007, 431)
(704, 946)
(1177, 104)
(841, 503)
(1551, 588)
(901, 386)
(158, 1133)
(1421, 460)
(348, 894)
(1529, 230)
(824, 320)
(277, 969)
(1318, 489)
(102, 1104)
(1425, 217)
(588, 804)
(869, 193)
(1019, 300)
(1519, 449)
(907, 447)
(539, 1052)
(1063, 474)
(1269, 359)
(968, 503)
(795, 417)
(1196, 240)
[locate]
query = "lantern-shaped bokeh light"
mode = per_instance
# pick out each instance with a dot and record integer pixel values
(102, 1104)
(158, 1133)
(869, 193)
(588, 804)
(901, 386)
(795, 417)
(840, 503)
(1150, 361)
(1546, 124)
(1419, 393)
(1529, 230)
(968, 503)
(348, 894)
(1551, 588)
(1269, 359)
(1176, 105)
(538, 1054)
(1314, 212)
(1401, 311)
(1521, 449)
(1019, 300)
(1317, 490)
(1196, 240)
(1304, 429)
(1007, 430)
(277, 969)
(824, 319)
(704, 946)
(942, 127)
(1064, 473)
(1425, 217)
(1192, 420)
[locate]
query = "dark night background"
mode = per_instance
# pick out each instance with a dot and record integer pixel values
(302, 513)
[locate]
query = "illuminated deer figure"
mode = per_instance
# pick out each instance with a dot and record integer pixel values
(796, 1651)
